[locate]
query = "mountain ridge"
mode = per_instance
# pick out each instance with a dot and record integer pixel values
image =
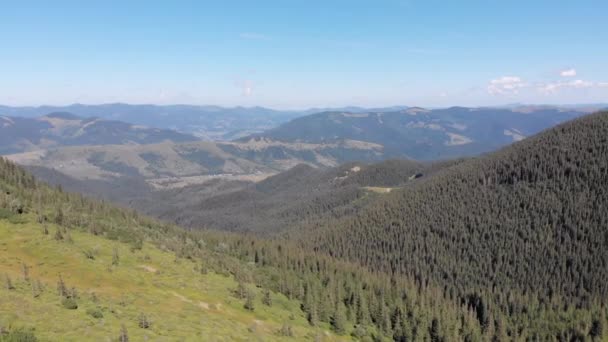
(424, 134)
(57, 129)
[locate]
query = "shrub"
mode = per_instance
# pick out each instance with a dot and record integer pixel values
(95, 313)
(5, 213)
(89, 254)
(286, 330)
(137, 245)
(17, 219)
(359, 332)
(69, 303)
(19, 335)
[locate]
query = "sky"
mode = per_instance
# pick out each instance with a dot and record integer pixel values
(298, 54)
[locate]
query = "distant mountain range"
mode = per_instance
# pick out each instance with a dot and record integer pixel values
(20, 134)
(113, 153)
(412, 132)
(425, 134)
(206, 122)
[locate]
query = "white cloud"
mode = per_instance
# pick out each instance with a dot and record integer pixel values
(506, 85)
(254, 36)
(603, 84)
(568, 73)
(581, 84)
(551, 88)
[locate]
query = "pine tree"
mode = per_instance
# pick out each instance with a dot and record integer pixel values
(124, 336)
(241, 290)
(143, 321)
(597, 328)
(362, 309)
(250, 296)
(26, 272)
(267, 299)
(58, 235)
(62, 290)
(115, 257)
(312, 315)
(338, 321)
(384, 319)
(434, 331)
(59, 217)
(500, 333)
(286, 330)
(310, 307)
(9, 283)
(37, 288)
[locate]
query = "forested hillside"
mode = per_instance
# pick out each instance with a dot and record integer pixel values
(110, 273)
(519, 234)
(287, 201)
(425, 134)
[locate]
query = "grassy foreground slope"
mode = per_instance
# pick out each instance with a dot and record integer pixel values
(117, 285)
(72, 269)
(171, 284)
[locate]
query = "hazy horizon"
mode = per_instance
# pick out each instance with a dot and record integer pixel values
(505, 105)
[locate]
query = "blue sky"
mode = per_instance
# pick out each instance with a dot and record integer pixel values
(296, 54)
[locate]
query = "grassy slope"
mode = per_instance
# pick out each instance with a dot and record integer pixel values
(182, 303)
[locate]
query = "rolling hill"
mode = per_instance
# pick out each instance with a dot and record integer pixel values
(169, 165)
(18, 134)
(284, 202)
(424, 134)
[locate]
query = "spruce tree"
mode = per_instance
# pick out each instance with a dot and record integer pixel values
(338, 321)
(115, 257)
(8, 282)
(26, 272)
(143, 321)
(267, 299)
(62, 290)
(124, 335)
(249, 297)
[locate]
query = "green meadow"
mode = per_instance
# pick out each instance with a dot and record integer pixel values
(153, 294)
